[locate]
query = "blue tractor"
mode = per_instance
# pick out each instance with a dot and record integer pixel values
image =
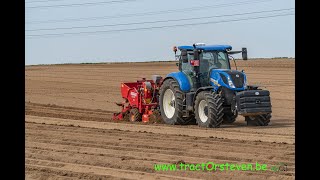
(207, 92)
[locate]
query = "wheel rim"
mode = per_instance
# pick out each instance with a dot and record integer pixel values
(203, 111)
(169, 103)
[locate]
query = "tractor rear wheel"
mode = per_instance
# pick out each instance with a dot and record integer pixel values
(134, 115)
(259, 120)
(171, 103)
(208, 109)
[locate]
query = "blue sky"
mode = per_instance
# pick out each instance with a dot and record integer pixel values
(264, 37)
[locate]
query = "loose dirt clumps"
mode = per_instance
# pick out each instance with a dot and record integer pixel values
(70, 134)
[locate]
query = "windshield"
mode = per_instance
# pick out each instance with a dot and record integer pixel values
(213, 60)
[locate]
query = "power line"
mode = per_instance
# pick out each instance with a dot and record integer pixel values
(154, 12)
(79, 4)
(156, 27)
(43, 1)
(151, 22)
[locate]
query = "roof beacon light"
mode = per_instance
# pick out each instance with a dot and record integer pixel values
(199, 44)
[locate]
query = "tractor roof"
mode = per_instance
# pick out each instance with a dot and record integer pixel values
(207, 48)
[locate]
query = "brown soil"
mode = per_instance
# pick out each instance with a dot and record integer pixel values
(70, 134)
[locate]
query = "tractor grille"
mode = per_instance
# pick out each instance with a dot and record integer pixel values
(237, 81)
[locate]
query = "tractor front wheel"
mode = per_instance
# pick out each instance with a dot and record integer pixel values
(259, 120)
(134, 115)
(208, 109)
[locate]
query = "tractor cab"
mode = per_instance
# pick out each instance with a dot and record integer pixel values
(209, 56)
(198, 61)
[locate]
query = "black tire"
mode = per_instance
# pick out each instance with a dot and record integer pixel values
(177, 118)
(134, 115)
(260, 120)
(214, 110)
(126, 116)
(229, 117)
(155, 117)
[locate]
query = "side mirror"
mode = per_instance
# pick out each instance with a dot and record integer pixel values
(244, 54)
(184, 56)
(175, 49)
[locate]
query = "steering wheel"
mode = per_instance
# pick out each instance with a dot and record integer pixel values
(215, 65)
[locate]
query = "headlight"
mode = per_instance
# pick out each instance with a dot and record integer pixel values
(230, 83)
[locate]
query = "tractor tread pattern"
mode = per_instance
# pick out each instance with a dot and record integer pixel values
(136, 115)
(179, 96)
(260, 120)
(215, 109)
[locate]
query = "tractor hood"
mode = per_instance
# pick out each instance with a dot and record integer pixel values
(231, 79)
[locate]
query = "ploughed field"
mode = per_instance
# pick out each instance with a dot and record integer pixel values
(70, 134)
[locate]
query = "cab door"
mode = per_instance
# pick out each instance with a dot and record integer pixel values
(185, 66)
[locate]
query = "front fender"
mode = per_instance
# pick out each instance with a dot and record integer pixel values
(205, 88)
(182, 80)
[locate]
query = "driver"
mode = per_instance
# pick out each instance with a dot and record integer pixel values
(217, 64)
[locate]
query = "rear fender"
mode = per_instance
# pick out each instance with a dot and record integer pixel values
(182, 80)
